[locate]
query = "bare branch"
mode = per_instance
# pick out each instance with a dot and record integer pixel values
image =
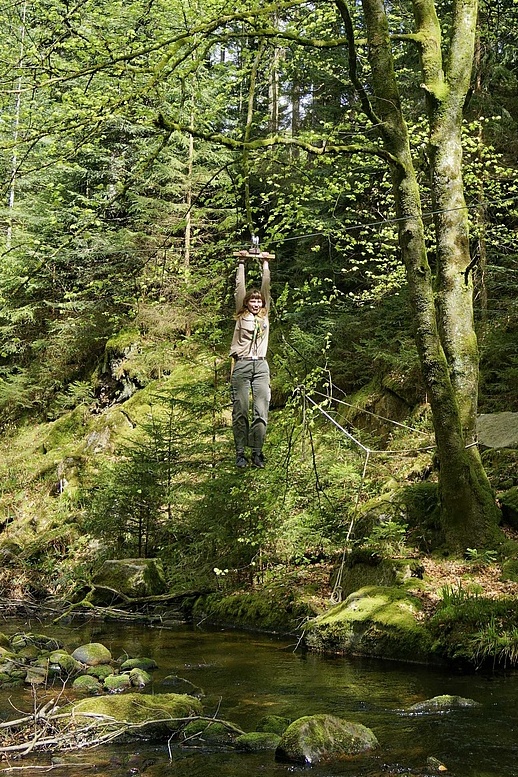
(343, 9)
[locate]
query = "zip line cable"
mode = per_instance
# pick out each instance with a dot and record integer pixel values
(394, 220)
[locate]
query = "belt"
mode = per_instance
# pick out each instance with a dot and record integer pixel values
(250, 358)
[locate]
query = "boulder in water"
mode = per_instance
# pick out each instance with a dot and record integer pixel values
(315, 738)
(140, 713)
(92, 654)
(443, 703)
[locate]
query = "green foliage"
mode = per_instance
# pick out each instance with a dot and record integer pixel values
(453, 595)
(387, 539)
(493, 644)
(481, 557)
(132, 503)
(471, 628)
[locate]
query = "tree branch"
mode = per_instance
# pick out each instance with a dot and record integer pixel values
(343, 9)
(276, 140)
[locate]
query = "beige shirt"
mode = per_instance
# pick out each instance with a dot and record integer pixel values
(250, 338)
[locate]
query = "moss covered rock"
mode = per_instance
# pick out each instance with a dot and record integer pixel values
(92, 654)
(156, 715)
(116, 683)
(139, 678)
(147, 664)
(21, 640)
(317, 738)
(36, 675)
(374, 621)
(100, 672)
(133, 577)
(87, 684)
(443, 703)
(275, 609)
(64, 662)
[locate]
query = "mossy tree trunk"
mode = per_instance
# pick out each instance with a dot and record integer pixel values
(443, 313)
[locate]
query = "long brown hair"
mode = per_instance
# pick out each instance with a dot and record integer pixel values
(253, 293)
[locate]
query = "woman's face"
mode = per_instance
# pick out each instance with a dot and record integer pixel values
(254, 305)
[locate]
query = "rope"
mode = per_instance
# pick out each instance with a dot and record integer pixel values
(338, 426)
(336, 594)
(369, 412)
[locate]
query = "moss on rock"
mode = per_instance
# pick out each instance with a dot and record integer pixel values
(275, 609)
(65, 662)
(442, 704)
(315, 738)
(92, 654)
(131, 577)
(147, 664)
(374, 621)
(115, 683)
(164, 711)
(87, 684)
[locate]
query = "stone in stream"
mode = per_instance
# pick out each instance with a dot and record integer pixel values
(155, 715)
(92, 654)
(64, 662)
(147, 664)
(116, 683)
(379, 621)
(101, 671)
(87, 684)
(138, 677)
(315, 738)
(442, 703)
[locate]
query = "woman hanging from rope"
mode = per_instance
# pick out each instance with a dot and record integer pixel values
(250, 369)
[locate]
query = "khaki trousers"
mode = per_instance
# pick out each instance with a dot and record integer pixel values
(250, 376)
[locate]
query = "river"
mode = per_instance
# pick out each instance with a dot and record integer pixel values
(246, 676)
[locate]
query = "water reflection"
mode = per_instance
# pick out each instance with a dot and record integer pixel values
(245, 677)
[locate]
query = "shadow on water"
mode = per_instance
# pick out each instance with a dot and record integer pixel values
(245, 677)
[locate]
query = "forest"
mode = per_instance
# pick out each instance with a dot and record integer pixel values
(372, 149)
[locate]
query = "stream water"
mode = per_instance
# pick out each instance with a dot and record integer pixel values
(246, 676)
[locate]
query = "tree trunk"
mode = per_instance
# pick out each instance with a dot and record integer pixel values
(444, 329)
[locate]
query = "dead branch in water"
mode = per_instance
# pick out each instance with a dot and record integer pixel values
(55, 728)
